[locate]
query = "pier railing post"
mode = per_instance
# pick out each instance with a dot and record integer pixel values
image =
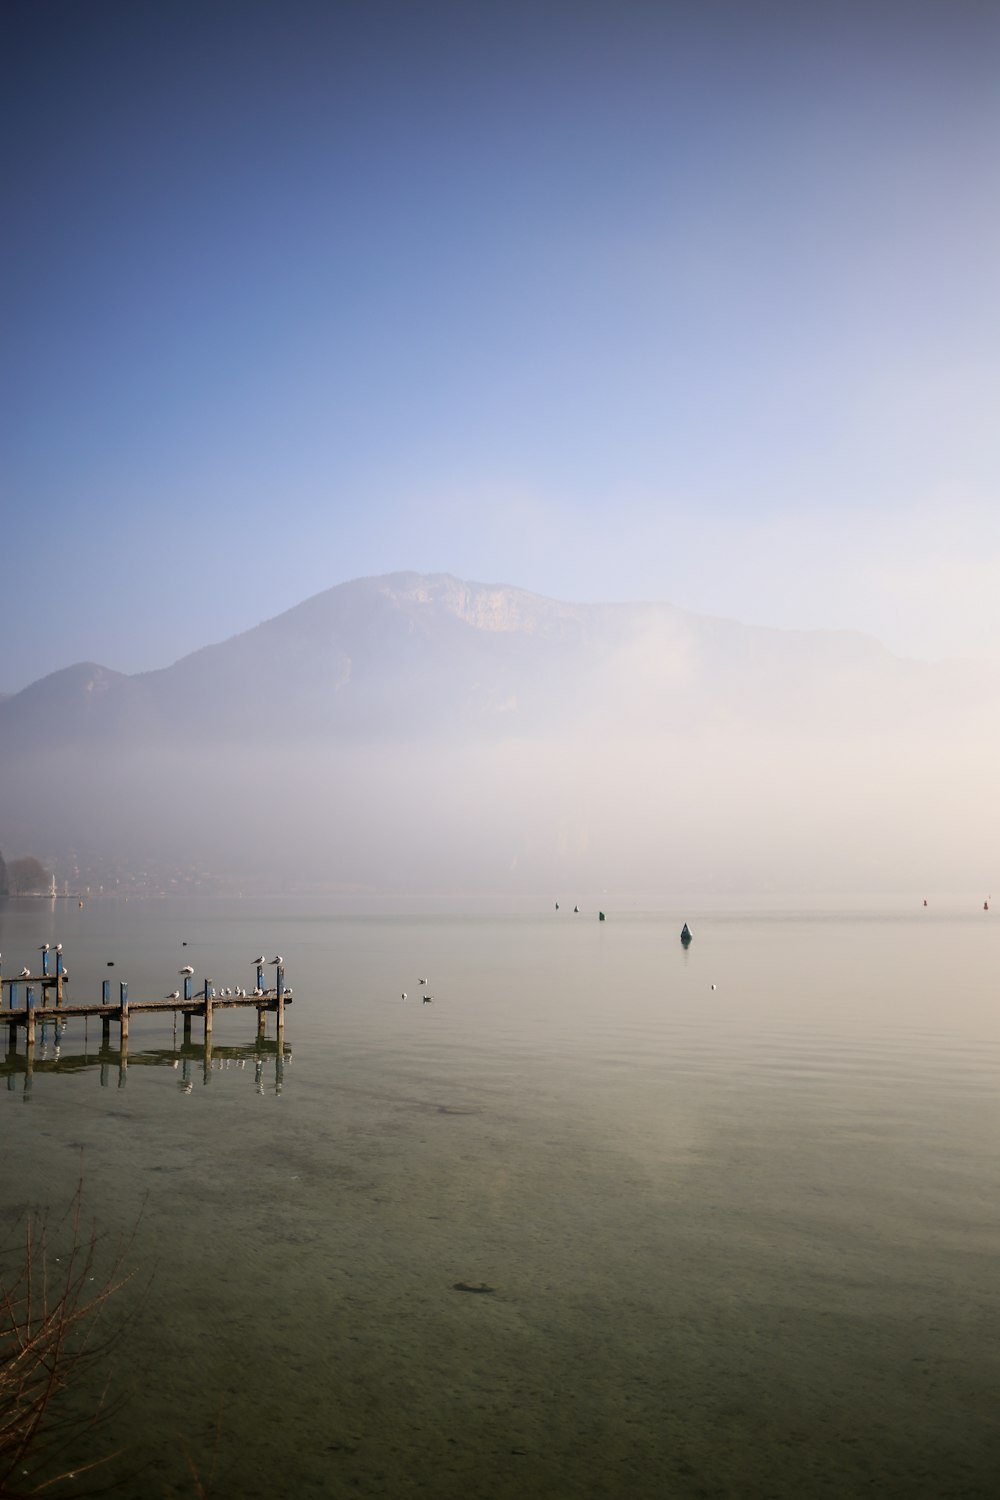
(123, 1000)
(208, 1010)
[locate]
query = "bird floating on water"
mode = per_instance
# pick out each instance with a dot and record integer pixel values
(421, 981)
(403, 996)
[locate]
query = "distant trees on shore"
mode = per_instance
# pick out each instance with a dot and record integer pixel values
(24, 877)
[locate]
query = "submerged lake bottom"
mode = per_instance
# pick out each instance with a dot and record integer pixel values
(605, 1217)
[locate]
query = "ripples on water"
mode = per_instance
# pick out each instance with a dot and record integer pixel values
(741, 1240)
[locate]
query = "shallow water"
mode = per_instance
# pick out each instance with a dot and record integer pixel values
(740, 1240)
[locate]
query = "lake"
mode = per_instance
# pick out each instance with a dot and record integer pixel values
(736, 1206)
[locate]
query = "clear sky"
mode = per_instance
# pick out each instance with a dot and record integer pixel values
(610, 301)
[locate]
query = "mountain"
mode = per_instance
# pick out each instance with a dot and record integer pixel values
(411, 728)
(406, 656)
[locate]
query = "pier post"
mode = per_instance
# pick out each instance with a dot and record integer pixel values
(208, 1010)
(187, 987)
(123, 1018)
(45, 963)
(187, 1028)
(261, 1022)
(30, 1026)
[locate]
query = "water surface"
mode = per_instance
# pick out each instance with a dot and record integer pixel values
(736, 1205)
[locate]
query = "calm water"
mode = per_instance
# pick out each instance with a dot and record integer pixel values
(741, 1240)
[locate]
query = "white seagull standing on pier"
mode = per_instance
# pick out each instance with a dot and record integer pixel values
(187, 969)
(260, 960)
(44, 948)
(277, 959)
(174, 995)
(24, 974)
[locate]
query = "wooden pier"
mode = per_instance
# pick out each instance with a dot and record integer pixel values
(20, 997)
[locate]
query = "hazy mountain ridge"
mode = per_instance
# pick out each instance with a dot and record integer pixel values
(415, 731)
(406, 654)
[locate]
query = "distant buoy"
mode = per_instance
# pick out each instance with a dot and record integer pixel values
(576, 908)
(600, 916)
(685, 934)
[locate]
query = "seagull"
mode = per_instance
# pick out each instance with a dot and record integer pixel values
(58, 947)
(187, 969)
(174, 995)
(260, 960)
(421, 981)
(277, 959)
(44, 948)
(404, 995)
(428, 999)
(25, 974)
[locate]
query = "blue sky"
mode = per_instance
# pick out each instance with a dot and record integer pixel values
(610, 301)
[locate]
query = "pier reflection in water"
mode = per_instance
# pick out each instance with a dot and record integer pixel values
(191, 1061)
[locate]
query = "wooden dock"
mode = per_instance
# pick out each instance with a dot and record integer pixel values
(20, 997)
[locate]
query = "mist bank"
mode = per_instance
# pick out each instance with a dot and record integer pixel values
(655, 814)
